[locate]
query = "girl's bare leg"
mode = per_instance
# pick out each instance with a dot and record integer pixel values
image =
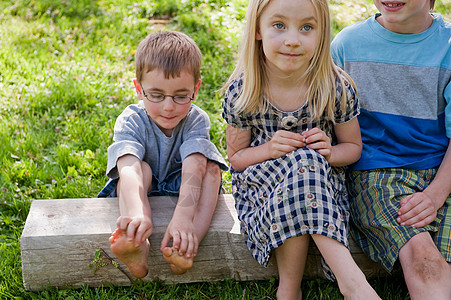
(351, 280)
(134, 257)
(202, 217)
(291, 258)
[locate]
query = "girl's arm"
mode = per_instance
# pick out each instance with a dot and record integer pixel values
(349, 143)
(242, 156)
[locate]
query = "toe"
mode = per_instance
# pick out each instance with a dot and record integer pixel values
(117, 233)
(167, 251)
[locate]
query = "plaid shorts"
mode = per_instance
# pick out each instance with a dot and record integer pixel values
(375, 197)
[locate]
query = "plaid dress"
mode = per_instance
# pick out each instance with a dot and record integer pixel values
(296, 194)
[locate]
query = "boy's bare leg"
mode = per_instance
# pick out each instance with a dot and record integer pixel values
(291, 259)
(426, 272)
(133, 256)
(202, 217)
(351, 280)
(208, 200)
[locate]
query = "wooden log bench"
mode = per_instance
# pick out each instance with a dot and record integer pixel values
(62, 236)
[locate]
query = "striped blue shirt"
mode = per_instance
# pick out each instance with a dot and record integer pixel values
(404, 87)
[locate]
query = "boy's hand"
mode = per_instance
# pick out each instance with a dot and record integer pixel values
(137, 228)
(183, 236)
(316, 139)
(417, 210)
(283, 142)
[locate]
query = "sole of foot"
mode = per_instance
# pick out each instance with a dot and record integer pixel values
(134, 257)
(179, 263)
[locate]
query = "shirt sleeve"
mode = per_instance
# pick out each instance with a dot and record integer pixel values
(336, 50)
(352, 103)
(196, 138)
(129, 138)
(233, 118)
(447, 95)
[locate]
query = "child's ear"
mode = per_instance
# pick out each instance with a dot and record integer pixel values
(258, 36)
(138, 89)
(196, 88)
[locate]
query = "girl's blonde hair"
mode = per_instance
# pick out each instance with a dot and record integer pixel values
(320, 75)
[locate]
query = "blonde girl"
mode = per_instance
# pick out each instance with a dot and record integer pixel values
(291, 129)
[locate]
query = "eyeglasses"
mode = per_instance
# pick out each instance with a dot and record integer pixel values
(159, 97)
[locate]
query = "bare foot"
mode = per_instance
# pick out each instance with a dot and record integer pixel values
(179, 263)
(135, 258)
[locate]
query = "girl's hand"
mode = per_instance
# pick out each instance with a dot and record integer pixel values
(284, 142)
(318, 140)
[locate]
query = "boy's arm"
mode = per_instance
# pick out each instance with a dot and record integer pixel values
(134, 206)
(420, 209)
(195, 151)
(181, 229)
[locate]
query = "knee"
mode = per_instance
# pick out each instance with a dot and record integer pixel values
(213, 169)
(200, 166)
(194, 168)
(147, 174)
(429, 268)
(427, 262)
(146, 169)
(207, 168)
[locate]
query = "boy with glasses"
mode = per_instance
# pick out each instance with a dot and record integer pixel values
(162, 147)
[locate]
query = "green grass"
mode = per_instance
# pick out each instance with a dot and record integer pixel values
(66, 70)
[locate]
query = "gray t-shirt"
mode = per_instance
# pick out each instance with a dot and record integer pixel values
(136, 134)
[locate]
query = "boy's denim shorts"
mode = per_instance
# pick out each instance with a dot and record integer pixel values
(169, 187)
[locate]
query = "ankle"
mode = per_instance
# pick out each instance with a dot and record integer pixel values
(351, 286)
(357, 289)
(283, 293)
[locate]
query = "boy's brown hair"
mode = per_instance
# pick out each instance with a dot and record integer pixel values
(432, 4)
(170, 51)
